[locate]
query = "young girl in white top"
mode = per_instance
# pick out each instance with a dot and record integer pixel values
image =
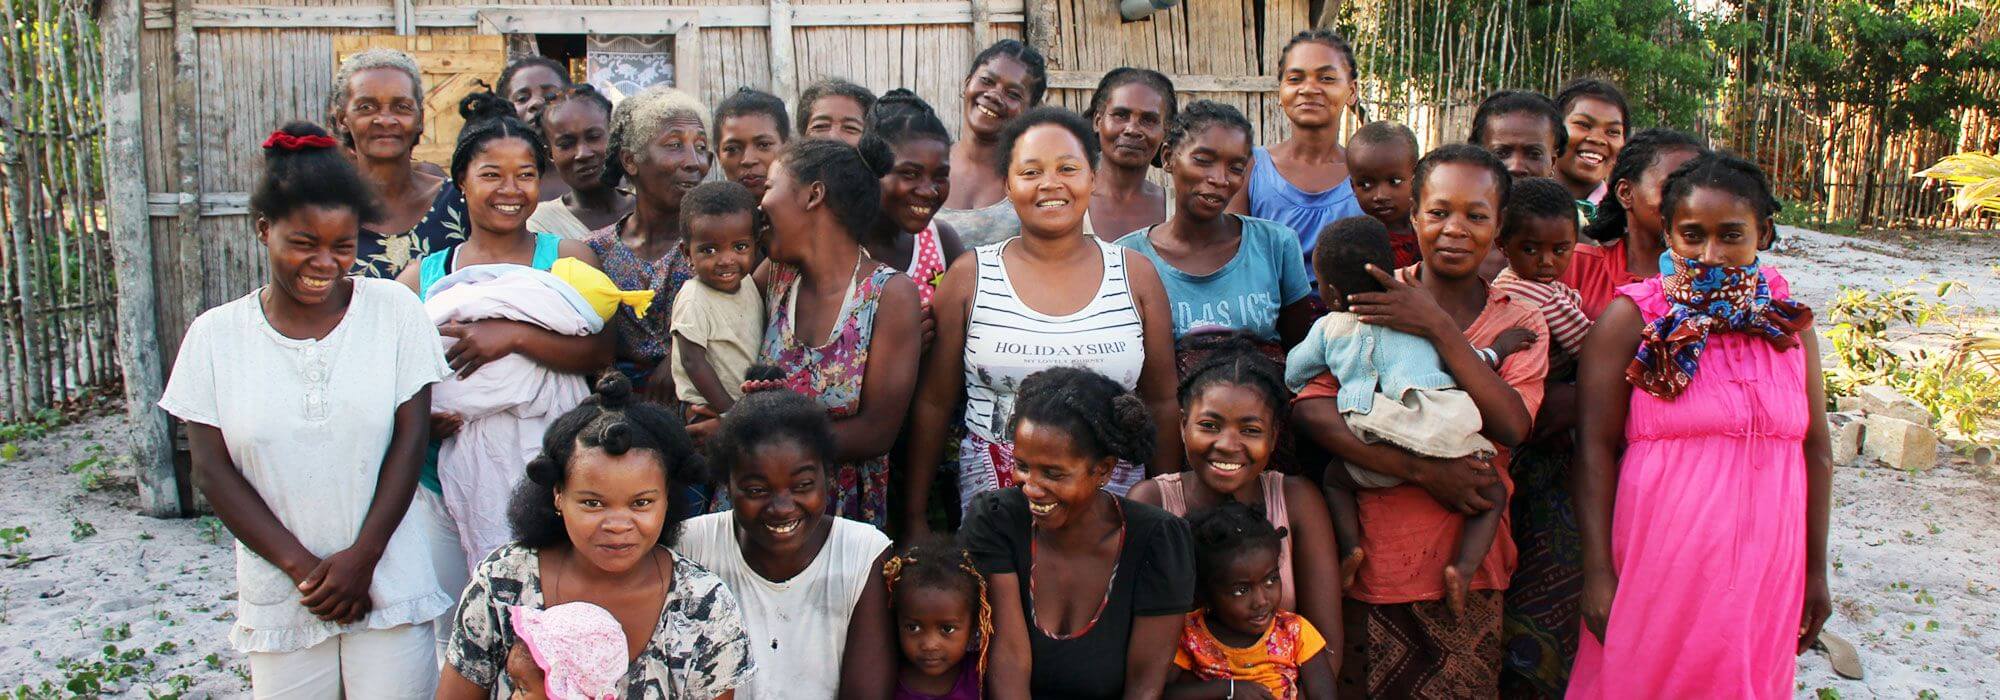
(814, 601)
(306, 403)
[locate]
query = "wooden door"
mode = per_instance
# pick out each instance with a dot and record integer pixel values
(453, 66)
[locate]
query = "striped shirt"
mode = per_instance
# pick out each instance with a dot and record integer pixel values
(1562, 307)
(1005, 340)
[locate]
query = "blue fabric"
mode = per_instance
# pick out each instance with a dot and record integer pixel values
(1305, 213)
(434, 267)
(1267, 274)
(1367, 359)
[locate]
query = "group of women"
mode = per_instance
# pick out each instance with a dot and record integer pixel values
(1085, 356)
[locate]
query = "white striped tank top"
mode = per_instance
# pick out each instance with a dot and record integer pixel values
(1005, 341)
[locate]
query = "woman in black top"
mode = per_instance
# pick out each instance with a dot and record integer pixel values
(1116, 575)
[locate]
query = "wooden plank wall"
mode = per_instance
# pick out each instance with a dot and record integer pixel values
(253, 79)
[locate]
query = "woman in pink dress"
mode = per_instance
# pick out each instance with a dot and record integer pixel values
(1704, 544)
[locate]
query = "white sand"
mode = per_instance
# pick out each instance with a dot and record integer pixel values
(1910, 549)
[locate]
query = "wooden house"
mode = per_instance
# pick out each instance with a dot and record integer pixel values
(193, 86)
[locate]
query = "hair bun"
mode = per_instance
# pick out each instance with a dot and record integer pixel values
(544, 470)
(876, 154)
(613, 390)
(481, 105)
(1135, 422)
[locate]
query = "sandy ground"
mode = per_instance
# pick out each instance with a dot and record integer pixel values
(143, 606)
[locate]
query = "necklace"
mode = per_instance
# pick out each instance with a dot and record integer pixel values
(1102, 603)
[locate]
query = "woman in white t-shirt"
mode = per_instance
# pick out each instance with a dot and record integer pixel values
(307, 403)
(815, 606)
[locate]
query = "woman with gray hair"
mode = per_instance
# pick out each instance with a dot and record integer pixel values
(659, 144)
(377, 112)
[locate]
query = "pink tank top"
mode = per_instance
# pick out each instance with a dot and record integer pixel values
(1173, 498)
(927, 263)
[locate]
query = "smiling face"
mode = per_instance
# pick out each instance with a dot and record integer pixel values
(1380, 174)
(749, 144)
(1596, 134)
(1229, 432)
(1243, 597)
(672, 163)
(1059, 481)
(1208, 168)
(579, 134)
(1540, 250)
(502, 184)
(309, 251)
(1641, 198)
(1717, 227)
(1458, 218)
(722, 249)
(1316, 85)
(917, 184)
(530, 87)
(1525, 141)
(1049, 180)
(788, 207)
(836, 117)
(995, 93)
(779, 496)
(934, 627)
(1131, 126)
(383, 114)
(613, 506)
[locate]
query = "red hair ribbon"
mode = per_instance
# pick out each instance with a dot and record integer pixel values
(289, 142)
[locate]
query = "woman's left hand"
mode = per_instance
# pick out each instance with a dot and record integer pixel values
(479, 343)
(525, 675)
(1819, 606)
(702, 422)
(1402, 307)
(337, 589)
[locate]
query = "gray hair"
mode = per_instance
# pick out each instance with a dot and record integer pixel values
(642, 116)
(370, 59)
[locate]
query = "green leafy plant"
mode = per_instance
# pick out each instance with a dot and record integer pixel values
(12, 538)
(1960, 387)
(94, 470)
(212, 529)
(35, 427)
(80, 530)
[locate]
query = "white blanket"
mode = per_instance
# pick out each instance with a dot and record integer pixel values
(507, 404)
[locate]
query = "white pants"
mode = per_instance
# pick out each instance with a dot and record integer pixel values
(393, 663)
(446, 556)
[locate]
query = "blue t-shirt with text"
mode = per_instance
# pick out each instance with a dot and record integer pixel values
(1267, 274)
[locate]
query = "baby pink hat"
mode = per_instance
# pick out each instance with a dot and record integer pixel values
(580, 647)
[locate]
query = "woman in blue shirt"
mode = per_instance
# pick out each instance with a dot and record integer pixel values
(1302, 181)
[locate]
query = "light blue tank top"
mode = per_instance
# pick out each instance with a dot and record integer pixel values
(1275, 198)
(438, 264)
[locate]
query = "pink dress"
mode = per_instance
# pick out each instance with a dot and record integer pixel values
(1708, 535)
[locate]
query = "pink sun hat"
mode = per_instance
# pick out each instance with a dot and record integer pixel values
(580, 647)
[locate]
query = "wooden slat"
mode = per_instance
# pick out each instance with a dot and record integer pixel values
(1087, 80)
(159, 15)
(784, 82)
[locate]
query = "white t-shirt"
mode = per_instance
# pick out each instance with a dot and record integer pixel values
(798, 628)
(307, 422)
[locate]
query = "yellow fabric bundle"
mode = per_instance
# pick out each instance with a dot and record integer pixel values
(598, 290)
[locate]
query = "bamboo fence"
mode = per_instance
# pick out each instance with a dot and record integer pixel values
(57, 317)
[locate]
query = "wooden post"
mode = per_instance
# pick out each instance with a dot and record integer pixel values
(187, 150)
(982, 27)
(784, 78)
(1040, 29)
(406, 21)
(132, 259)
(21, 225)
(687, 60)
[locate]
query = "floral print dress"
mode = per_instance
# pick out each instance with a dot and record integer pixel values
(831, 374)
(384, 255)
(642, 342)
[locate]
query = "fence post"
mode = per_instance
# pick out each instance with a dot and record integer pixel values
(132, 258)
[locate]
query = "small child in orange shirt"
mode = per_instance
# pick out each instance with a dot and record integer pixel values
(1240, 644)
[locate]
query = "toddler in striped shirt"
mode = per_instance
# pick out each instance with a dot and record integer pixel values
(1537, 236)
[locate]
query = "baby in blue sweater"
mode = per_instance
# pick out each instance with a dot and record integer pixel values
(1394, 389)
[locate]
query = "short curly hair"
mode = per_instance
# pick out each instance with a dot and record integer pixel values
(371, 59)
(616, 422)
(1010, 135)
(640, 118)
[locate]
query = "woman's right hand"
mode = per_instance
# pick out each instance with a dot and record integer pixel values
(1456, 483)
(446, 424)
(1599, 587)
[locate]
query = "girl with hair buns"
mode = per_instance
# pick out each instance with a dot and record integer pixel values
(593, 524)
(832, 308)
(377, 112)
(1088, 587)
(1049, 297)
(305, 403)
(576, 123)
(1006, 79)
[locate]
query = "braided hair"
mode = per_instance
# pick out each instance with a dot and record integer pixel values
(938, 563)
(1536, 198)
(1038, 67)
(616, 422)
(1722, 171)
(1127, 75)
(766, 416)
(1235, 361)
(1639, 154)
(832, 87)
(580, 92)
(1100, 416)
(1075, 124)
(488, 118)
(310, 177)
(747, 101)
(1519, 102)
(900, 116)
(1225, 532)
(1201, 115)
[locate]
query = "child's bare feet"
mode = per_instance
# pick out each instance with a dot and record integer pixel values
(1456, 587)
(1350, 566)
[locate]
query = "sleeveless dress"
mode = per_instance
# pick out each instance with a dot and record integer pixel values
(1173, 498)
(831, 374)
(1006, 341)
(1708, 534)
(642, 343)
(1275, 198)
(927, 263)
